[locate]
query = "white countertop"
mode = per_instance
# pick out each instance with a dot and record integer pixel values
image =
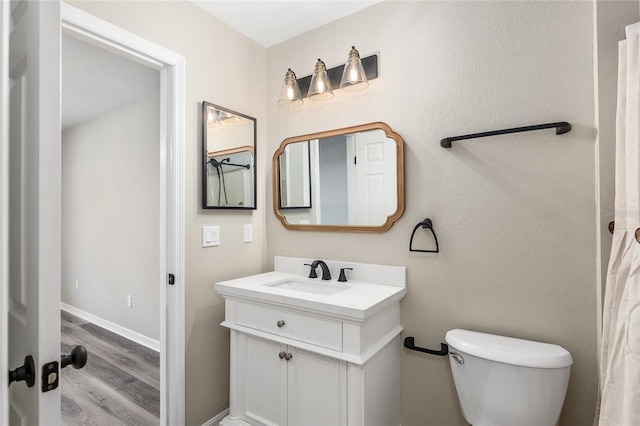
(359, 301)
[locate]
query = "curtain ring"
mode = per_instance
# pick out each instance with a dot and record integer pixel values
(638, 235)
(611, 226)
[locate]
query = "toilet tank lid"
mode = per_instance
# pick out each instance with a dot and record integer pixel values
(509, 350)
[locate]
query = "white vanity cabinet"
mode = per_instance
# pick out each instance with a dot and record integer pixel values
(281, 384)
(299, 359)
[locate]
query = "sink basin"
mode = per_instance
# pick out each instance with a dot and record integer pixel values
(308, 287)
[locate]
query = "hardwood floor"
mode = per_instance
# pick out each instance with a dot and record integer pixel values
(120, 385)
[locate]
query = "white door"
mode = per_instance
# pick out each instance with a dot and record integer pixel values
(33, 206)
(4, 207)
(373, 182)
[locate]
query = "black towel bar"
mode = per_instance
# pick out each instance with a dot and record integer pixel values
(561, 127)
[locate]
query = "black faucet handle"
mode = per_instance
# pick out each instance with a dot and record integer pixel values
(313, 273)
(343, 278)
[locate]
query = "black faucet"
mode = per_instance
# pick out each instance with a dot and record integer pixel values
(326, 274)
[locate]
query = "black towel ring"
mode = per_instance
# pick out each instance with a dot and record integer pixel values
(425, 224)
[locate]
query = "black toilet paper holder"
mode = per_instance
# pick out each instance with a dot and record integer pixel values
(409, 343)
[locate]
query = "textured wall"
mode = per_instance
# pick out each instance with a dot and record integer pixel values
(515, 215)
(225, 68)
(110, 216)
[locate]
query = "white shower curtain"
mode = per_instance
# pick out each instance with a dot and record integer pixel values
(620, 350)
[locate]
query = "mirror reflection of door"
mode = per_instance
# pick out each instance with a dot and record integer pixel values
(372, 187)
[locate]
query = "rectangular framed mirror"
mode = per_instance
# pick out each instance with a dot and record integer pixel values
(349, 180)
(229, 159)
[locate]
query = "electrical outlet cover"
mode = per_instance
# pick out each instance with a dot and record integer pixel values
(248, 233)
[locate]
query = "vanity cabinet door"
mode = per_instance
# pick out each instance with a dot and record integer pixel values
(317, 389)
(264, 385)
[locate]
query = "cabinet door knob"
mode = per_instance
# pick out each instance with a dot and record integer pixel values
(282, 354)
(288, 356)
(280, 323)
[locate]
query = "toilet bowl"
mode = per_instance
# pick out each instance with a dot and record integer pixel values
(503, 381)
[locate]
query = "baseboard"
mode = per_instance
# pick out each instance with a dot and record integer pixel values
(113, 327)
(217, 419)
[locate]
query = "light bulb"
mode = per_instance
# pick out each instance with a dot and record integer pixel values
(212, 118)
(320, 87)
(353, 73)
(353, 76)
(290, 94)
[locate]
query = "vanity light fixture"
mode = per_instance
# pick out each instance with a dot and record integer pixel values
(290, 94)
(320, 87)
(353, 76)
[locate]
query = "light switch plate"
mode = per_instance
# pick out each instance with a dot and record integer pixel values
(210, 236)
(248, 233)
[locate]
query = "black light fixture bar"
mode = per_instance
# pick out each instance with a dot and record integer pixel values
(561, 127)
(370, 65)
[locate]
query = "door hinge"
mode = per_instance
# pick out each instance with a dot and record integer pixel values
(172, 279)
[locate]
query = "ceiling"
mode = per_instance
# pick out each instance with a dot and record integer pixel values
(269, 22)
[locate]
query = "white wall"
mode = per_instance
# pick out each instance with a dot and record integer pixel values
(110, 216)
(515, 215)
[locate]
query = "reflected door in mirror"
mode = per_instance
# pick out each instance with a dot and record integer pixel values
(372, 189)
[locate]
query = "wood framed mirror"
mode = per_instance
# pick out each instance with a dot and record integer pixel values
(348, 180)
(229, 159)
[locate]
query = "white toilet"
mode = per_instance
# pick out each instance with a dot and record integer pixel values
(502, 381)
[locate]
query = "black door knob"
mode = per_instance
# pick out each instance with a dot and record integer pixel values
(26, 372)
(77, 358)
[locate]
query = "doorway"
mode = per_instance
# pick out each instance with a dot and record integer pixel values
(169, 274)
(110, 283)
(36, 28)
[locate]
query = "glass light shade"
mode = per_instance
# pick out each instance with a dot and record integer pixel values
(353, 76)
(290, 94)
(212, 118)
(227, 117)
(320, 87)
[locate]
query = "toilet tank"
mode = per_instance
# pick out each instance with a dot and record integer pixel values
(503, 381)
